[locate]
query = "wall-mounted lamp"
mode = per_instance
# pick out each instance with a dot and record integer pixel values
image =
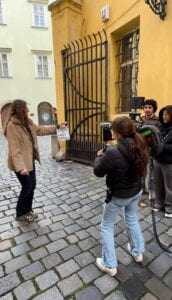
(158, 7)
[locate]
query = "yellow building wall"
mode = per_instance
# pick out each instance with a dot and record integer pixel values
(155, 54)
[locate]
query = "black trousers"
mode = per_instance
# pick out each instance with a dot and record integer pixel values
(28, 183)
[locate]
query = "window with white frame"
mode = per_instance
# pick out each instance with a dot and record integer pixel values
(42, 68)
(4, 65)
(1, 12)
(39, 15)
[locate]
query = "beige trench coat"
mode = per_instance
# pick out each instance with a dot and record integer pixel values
(20, 147)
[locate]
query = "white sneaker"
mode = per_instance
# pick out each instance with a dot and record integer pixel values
(137, 258)
(110, 271)
(167, 215)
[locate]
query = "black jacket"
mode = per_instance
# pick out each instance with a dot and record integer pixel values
(117, 165)
(165, 156)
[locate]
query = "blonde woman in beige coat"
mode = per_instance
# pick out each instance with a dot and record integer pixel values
(23, 150)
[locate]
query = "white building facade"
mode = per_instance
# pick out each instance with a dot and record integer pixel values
(26, 58)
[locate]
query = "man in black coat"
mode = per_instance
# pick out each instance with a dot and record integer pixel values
(163, 164)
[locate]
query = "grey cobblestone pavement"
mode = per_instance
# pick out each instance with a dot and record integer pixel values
(54, 257)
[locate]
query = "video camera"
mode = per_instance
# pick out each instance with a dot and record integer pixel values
(135, 103)
(150, 133)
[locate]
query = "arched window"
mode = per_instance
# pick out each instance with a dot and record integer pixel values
(45, 113)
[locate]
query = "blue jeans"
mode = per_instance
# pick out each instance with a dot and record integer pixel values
(110, 213)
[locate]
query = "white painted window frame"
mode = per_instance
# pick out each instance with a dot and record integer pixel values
(43, 76)
(39, 15)
(2, 64)
(2, 12)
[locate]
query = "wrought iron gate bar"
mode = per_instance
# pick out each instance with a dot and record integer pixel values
(85, 92)
(85, 63)
(87, 48)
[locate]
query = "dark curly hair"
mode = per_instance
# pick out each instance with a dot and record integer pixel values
(135, 144)
(151, 102)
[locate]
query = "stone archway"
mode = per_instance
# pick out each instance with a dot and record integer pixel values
(45, 113)
(5, 113)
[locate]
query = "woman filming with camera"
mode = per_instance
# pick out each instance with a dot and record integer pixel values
(124, 166)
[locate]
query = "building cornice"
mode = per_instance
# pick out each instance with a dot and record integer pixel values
(43, 52)
(77, 3)
(6, 50)
(39, 1)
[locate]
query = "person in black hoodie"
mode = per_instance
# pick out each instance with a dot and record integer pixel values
(124, 165)
(163, 165)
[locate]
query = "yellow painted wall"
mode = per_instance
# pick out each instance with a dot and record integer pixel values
(155, 54)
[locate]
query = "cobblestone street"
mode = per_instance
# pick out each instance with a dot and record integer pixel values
(54, 257)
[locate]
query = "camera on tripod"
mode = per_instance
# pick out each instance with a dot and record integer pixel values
(135, 103)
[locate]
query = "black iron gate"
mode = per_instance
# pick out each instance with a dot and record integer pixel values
(85, 92)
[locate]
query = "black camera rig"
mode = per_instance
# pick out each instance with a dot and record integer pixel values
(135, 104)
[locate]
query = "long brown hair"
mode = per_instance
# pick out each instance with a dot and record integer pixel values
(136, 144)
(18, 109)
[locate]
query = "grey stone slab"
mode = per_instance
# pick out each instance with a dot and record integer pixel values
(69, 285)
(123, 273)
(89, 273)
(84, 259)
(56, 235)
(4, 245)
(8, 296)
(140, 271)
(16, 264)
(161, 265)
(106, 284)
(56, 226)
(67, 268)
(32, 270)
(5, 256)
(47, 279)
(123, 256)
(70, 252)
(88, 243)
(168, 279)
(5, 227)
(57, 245)
(149, 296)
(89, 293)
(117, 295)
(51, 294)
(28, 227)
(20, 249)
(8, 282)
(158, 289)
(72, 239)
(133, 289)
(68, 221)
(25, 290)
(25, 237)
(83, 223)
(1, 271)
(72, 228)
(6, 220)
(39, 241)
(154, 248)
(51, 260)
(94, 232)
(82, 234)
(96, 251)
(38, 254)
